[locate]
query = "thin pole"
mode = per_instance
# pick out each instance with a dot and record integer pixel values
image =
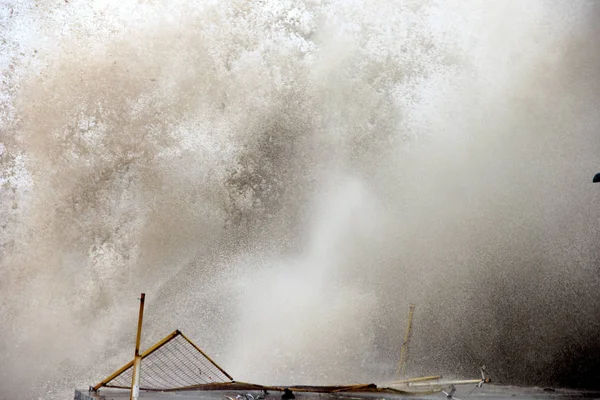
(404, 350)
(137, 361)
(446, 383)
(419, 379)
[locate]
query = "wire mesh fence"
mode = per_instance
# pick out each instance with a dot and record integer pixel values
(173, 363)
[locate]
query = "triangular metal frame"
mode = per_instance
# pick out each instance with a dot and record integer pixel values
(152, 349)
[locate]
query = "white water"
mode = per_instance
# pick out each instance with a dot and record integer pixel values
(283, 178)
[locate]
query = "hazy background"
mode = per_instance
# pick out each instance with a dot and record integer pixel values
(282, 178)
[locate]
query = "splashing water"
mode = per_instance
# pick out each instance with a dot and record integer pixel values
(283, 178)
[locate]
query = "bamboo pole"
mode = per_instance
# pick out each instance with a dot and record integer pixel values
(401, 372)
(135, 380)
(206, 356)
(125, 367)
(419, 379)
(446, 383)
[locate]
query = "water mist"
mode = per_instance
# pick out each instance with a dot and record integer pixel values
(282, 178)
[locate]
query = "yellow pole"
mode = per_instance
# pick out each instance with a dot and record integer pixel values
(137, 361)
(419, 379)
(404, 350)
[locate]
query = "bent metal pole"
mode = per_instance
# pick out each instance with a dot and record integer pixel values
(137, 361)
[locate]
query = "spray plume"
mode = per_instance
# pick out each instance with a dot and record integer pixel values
(284, 177)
